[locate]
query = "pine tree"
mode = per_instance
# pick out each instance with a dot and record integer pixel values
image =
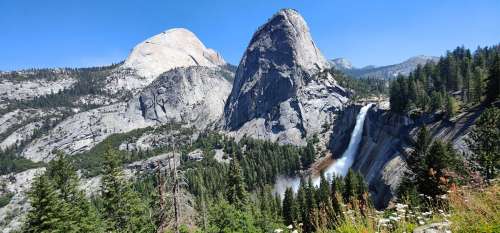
(350, 188)
(309, 154)
(301, 202)
(467, 81)
(278, 206)
(268, 205)
(310, 207)
(362, 193)
(398, 95)
(48, 213)
(62, 172)
(288, 207)
(439, 158)
(485, 142)
(323, 191)
(224, 217)
(82, 216)
(122, 207)
(478, 84)
(416, 167)
(412, 91)
(415, 160)
(436, 101)
(407, 191)
(201, 207)
(236, 193)
(451, 107)
(423, 100)
(337, 188)
(112, 190)
(493, 85)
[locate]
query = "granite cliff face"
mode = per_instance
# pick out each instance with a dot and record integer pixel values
(281, 91)
(382, 153)
(194, 95)
(387, 140)
(172, 78)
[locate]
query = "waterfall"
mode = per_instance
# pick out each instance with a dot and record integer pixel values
(339, 167)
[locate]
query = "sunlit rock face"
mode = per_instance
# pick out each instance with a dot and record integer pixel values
(173, 48)
(194, 95)
(281, 91)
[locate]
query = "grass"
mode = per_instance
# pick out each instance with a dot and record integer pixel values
(470, 210)
(476, 210)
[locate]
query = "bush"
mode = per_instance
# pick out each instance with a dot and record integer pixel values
(5, 199)
(12, 163)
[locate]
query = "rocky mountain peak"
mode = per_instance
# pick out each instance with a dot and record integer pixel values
(384, 72)
(287, 32)
(421, 59)
(170, 49)
(276, 77)
(342, 63)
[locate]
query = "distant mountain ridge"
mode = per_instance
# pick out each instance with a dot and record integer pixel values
(382, 72)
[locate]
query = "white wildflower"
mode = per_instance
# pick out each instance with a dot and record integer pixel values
(383, 221)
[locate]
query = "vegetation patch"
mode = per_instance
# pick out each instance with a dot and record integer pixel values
(5, 199)
(91, 161)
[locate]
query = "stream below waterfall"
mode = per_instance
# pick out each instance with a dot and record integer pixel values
(338, 167)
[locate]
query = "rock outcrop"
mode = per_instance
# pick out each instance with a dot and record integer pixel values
(11, 89)
(439, 227)
(194, 95)
(84, 130)
(281, 91)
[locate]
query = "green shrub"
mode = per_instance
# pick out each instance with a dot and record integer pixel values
(5, 199)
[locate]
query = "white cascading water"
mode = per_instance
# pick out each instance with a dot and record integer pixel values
(339, 167)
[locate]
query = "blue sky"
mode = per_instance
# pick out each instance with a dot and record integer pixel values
(71, 33)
